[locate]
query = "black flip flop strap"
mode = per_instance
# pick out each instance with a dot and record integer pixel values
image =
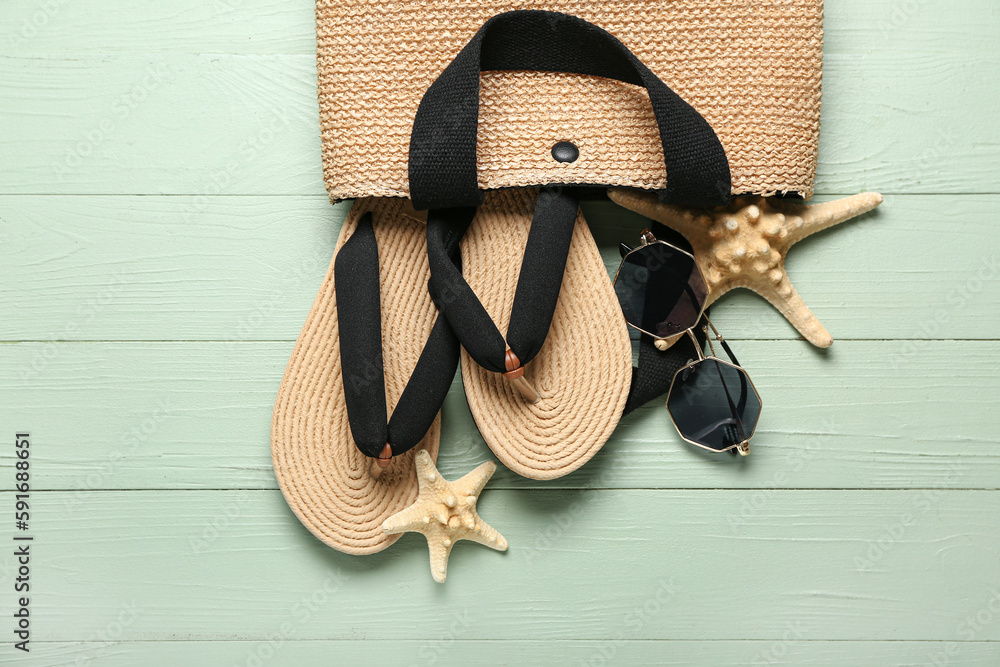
(443, 159)
(538, 283)
(359, 316)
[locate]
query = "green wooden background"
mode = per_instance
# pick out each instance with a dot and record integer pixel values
(164, 228)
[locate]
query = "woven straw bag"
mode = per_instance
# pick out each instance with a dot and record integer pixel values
(752, 69)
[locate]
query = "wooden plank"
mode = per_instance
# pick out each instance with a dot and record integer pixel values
(640, 564)
(247, 268)
(448, 650)
(259, 26)
(197, 415)
(911, 120)
(41, 29)
(237, 268)
(173, 124)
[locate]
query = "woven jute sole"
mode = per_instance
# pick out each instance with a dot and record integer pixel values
(753, 69)
(583, 371)
(325, 479)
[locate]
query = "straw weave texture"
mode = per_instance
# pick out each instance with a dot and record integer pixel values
(752, 68)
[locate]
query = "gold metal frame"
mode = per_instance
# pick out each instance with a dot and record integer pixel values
(647, 239)
(742, 448)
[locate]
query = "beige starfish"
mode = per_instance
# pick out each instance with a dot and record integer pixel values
(445, 512)
(745, 244)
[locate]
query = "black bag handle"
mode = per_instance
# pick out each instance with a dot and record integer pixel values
(443, 161)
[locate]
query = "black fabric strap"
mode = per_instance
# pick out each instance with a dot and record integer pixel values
(538, 283)
(652, 377)
(443, 160)
(359, 316)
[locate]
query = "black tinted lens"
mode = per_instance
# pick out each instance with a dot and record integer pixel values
(661, 290)
(714, 404)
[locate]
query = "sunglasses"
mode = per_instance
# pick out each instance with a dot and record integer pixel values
(663, 294)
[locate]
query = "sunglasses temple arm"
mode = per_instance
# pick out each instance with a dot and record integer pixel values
(743, 380)
(743, 383)
(725, 345)
(732, 406)
(729, 352)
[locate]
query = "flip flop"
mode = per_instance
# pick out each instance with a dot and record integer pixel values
(547, 394)
(343, 463)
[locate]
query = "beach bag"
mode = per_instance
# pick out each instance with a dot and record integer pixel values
(752, 70)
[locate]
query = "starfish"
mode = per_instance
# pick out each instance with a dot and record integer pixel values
(745, 244)
(445, 512)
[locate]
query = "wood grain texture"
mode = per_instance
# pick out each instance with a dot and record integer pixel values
(236, 565)
(257, 263)
(449, 650)
(174, 124)
(247, 268)
(862, 531)
(197, 415)
(180, 26)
